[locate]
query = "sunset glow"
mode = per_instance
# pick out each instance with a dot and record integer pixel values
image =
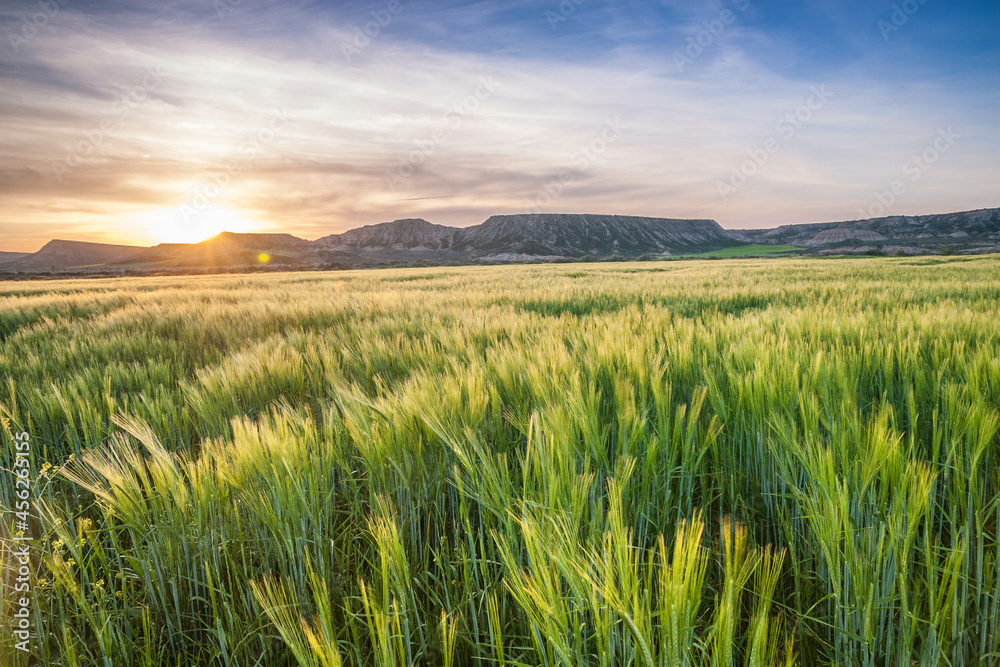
(173, 226)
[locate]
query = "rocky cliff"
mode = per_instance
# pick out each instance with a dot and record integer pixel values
(555, 235)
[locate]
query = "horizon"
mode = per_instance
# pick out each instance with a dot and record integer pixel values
(138, 124)
(555, 213)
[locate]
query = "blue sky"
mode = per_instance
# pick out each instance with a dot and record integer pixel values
(142, 122)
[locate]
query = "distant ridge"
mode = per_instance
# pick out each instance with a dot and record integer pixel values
(58, 254)
(11, 256)
(519, 238)
(404, 234)
(232, 240)
(969, 231)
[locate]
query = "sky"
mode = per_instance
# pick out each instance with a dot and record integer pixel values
(141, 122)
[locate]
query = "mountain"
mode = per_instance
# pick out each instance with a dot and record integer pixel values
(557, 235)
(230, 241)
(408, 234)
(512, 238)
(58, 254)
(231, 249)
(969, 231)
(225, 250)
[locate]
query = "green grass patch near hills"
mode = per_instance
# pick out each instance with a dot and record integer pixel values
(754, 250)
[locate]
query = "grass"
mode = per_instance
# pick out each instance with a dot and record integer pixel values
(751, 250)
(721, 463)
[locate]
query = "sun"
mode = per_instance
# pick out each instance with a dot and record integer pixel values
(187, 225)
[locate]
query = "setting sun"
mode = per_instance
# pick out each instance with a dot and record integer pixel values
(174, 226)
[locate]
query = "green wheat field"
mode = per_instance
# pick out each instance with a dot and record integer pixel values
(720, 463)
